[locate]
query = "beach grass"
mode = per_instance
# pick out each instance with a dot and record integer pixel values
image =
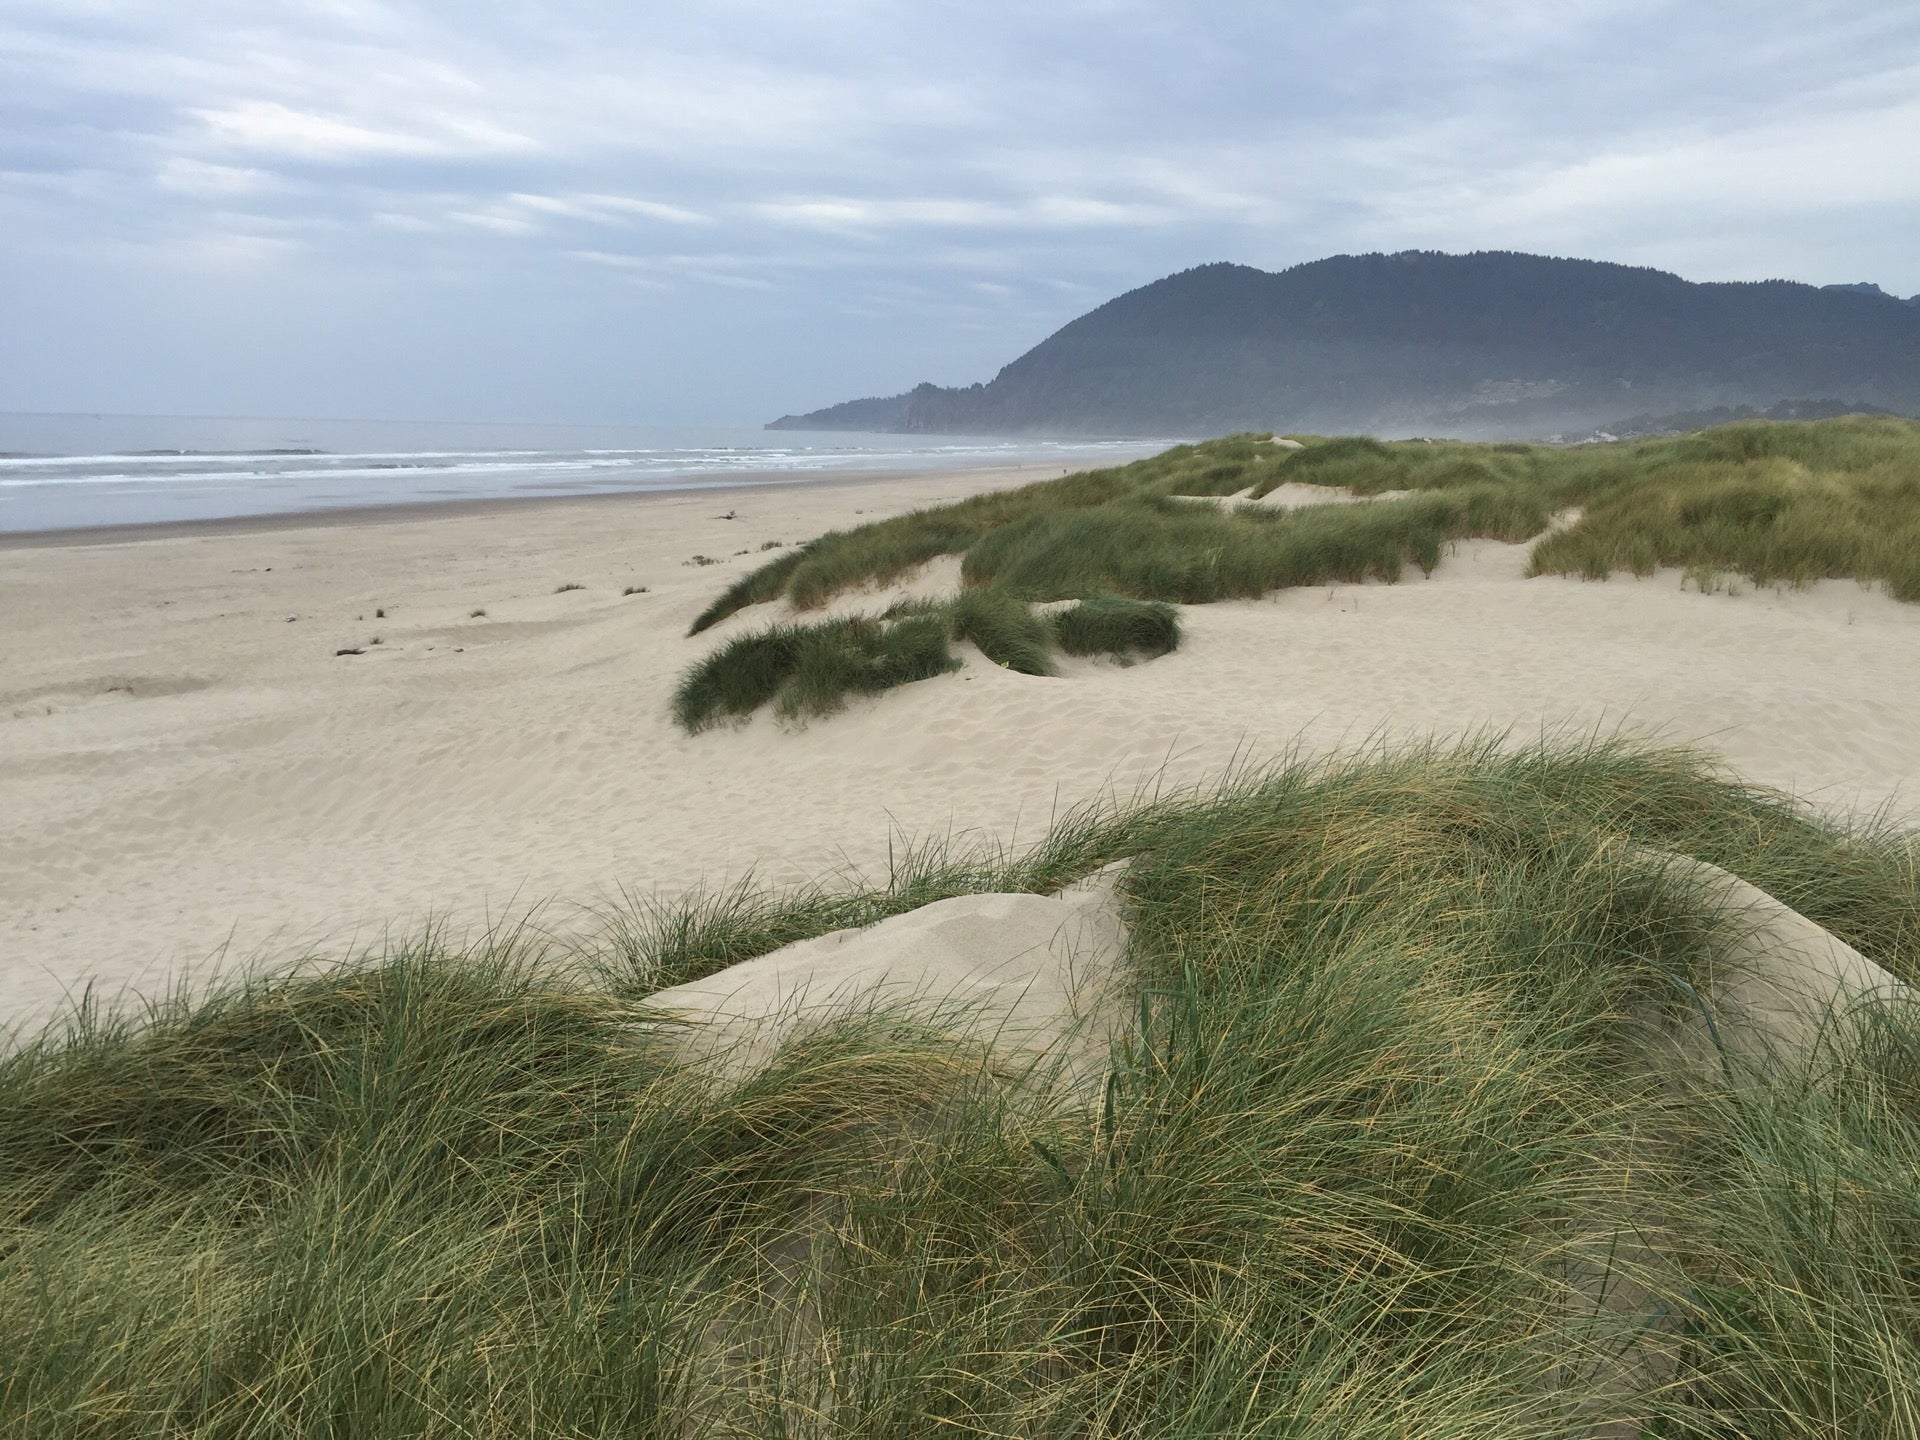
(1774, 502)
(767, 582)
(1379, 1154)
(1171, 549)
(1767, 519)
(1768, 502)
(1005, 629)
(1122, 628)
(810, 670)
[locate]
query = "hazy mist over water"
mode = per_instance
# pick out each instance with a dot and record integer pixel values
(62, 471)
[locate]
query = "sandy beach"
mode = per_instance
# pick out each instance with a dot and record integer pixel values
(191, 775)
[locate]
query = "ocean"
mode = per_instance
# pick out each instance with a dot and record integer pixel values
(77, 471)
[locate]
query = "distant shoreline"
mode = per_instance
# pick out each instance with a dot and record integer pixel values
(115, 472)
(401, 512)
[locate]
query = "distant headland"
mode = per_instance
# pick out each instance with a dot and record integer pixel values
(1490, 345)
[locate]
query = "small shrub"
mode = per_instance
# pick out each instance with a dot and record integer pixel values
(1111, 625)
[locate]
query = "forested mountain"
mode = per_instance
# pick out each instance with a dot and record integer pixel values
(1491, 344)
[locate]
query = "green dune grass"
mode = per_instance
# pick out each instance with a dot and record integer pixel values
(809, 670)
(1376, 1157)
(1006, 631)
(1111, 625)
(1771, 501)
(1774, 503)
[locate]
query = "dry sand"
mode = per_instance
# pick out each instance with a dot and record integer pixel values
(1037, 977)
(1777, 984)
(185, 764)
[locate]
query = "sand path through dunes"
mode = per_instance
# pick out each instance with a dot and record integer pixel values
(181, 763)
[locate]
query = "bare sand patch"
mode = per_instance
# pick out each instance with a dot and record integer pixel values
(1033, 976)
(1778, 983)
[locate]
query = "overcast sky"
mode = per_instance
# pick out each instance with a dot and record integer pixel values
(719, 211)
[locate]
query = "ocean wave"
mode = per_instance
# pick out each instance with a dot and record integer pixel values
(116, 484)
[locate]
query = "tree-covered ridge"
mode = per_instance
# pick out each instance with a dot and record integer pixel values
(1492, 344)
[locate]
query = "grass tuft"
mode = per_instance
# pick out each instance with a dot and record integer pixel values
(810, 670)
(806, 671)
(1110, 625)
(756, 588)
(1005, 629)
(841, 659)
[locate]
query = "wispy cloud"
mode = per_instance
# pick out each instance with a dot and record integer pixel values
(269, 128)
(732, 271)
(204, 178)
(844, 215)
(610, 209)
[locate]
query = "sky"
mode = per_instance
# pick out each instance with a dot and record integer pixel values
(718, 212)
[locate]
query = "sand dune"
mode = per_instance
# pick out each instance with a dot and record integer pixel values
(1778, 982)
(187, 764)
(1026, 975)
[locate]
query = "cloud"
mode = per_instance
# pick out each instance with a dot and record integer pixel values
(893, 172)
(1045, 212)
(727, 270)
(609, 209)
(1810, 162)
(1816, 156)
(499, 222)
(271, 128)
(203, 178)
